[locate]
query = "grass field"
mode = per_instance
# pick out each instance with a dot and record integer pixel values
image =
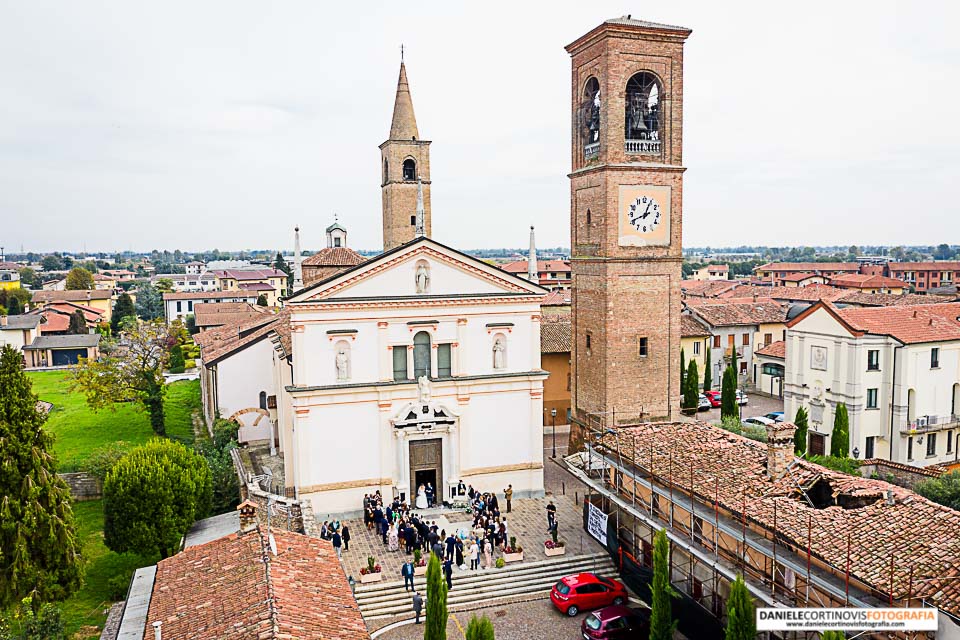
(80, 430)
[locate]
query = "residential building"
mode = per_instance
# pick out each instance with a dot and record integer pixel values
(194, 268)
(98, 299)
(769, 367)
(555, 360)
(556, 303)
(896, 368)
(9, 279)
(869, 283)
(190, 282)
(61, 350)
(775, 272)
(19, 331)
(551, 274)
(923, 276)
(121, 275)
(712, 272)
(332, 259)
(55, 316)
(210, 315)
(272, 283)
(800, 279)
(180, 305)
(694, 342)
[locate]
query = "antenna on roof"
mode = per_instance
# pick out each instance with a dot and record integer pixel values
(401, 54)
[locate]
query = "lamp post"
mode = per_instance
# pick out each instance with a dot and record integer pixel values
(553, 422)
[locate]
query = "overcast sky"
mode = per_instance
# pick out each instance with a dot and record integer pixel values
(194, 125)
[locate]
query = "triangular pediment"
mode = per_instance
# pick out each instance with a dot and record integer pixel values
(421, 268)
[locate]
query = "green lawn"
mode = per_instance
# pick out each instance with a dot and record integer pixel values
(80, 430)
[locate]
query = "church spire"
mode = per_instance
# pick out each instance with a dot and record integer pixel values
(532, 265)
(297, 260)
(404, 125)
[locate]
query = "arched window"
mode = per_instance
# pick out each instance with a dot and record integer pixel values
(263, 399)
(643, 119)
(590, 111)
(409, 170)
(421, 355)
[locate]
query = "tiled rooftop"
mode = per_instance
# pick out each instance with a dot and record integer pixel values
(908, 324)
(555, 334)
(740, 313)
(690, 328)
(334, 257)
(776, 349)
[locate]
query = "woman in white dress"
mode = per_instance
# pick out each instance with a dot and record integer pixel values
(393, 538)
(421, 497)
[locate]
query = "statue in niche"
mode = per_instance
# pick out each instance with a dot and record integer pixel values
(423, 390)
(423, 278)
(343, 365)
(498, 349)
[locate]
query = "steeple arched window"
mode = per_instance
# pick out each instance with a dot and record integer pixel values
(409, 170)
(643, 117)
(590, 119)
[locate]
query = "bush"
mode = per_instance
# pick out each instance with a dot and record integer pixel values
(189, 363)
(102, 459)
(843, 465)
(500, 563)
(44, 624)
(176, 359)
(152, 496)
(944, 490)
(117, 587)
(840, 437)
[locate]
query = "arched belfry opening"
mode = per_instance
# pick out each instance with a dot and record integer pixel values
(590, 118)
(410, 170)
(643, 117)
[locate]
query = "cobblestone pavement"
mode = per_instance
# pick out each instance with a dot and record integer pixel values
(757, 405)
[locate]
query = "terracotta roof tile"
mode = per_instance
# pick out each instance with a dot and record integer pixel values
(690, 328)
(76, 295)
(236, 588)
(800, 275)
(908, 324)
(556, 299)
(708, 288)
(334, 257)
(222, 341)
(862, 281)
(776, 349)
(924, 266)
(809, 266)
(555, 334)
(723, 315)
(217, 314)
(554, 266)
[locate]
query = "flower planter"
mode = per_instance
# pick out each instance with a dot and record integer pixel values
(419, 571)
(513, 557)
(366, 578)
(556, 551)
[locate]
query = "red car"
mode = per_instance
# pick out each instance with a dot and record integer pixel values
(713, 397)
(583, 591)
(616, 622)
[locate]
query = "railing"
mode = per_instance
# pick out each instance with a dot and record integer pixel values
(591, 151)
(648, 147)
(924, 424)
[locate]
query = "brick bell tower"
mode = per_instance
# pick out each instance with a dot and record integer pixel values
(626, 205)
(405, 159)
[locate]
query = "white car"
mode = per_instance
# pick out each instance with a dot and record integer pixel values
(760, 421)
(704, 403)
(741, 397)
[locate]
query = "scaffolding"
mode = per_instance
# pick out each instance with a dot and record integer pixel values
(710, 543)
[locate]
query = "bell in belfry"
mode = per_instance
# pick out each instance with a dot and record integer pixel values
(636, 113)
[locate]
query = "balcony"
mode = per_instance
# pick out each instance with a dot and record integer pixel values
(591, 151)
(927, 424)
(642, 147)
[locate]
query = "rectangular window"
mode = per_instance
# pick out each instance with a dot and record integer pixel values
(696, 348)
(399, 362)
(871, 398)
(589, 344)
(443, 361)
(869, 452)
(643, 347)
(935, 358)
(873, 360)
(931, 444)
(190, 305)
(767, 339)
(716, 342)
(178, 306)
(949, 441)
(743, 368)
(909, 448)
(746, 339)
(731, 340)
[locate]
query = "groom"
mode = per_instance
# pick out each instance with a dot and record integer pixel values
(429, 495)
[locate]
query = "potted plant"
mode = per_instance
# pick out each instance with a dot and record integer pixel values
(419, 563)
(554, 547)
(371, 572)
(513, 552)
(499, 563)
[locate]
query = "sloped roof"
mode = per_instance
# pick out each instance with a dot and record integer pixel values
(404, 123)
(218, 343)
(861, 298)
(633, 22)
(690, 328)
(249, 274)
(78, 341)
(809, 266)
(20, 322)
(76, 295)
(216, 314)
(208, 295)
(739, 313)
(556, 299)
(334, 257)
(555, 334)
(237, 588)
(863, 281)
(732, 468)
(946, 265)
(776, 349)
(708, 288)
(800, 276)
(908, 324)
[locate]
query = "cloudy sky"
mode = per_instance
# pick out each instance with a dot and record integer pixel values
(192, 125)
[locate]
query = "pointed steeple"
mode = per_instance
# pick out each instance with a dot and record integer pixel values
(404, 125)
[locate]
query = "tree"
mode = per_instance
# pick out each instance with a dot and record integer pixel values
(944, 490)
(78, 323)
(662, 624)
(129, 367)
(262, 300)
(20, 294)
(176, 359)
(281, 265)
(735, 367)
(216, 451)
(149, 302)
(436, 623)
(28, 276)
(683, 369)
(164, 285)
(943, 252)
(191, 325)
(840, 438)
(480, 629)
(122, 309)
(707, 375)
(52, 262)
(691, 392)
(79, 278)
(46, 623)
(13, 307)
(741, 615)
(39, 549)
(152, 496)
(728, 395)
(800, 435)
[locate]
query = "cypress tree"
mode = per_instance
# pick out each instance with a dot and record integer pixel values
(14, 308)
(480, 629)
(662, 624)
(436, 623)
(734, 366)
(741, 616)
(39, 549)
(176, 359)
(78, 323)
(840, 438)
(122, 309)
(707, 372)
(728, 395)
(683, 371)
(691, 391)
(262, 300)
(800, 435)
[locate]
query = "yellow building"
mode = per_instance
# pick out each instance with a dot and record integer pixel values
(9, 279)
(94, 298)
(694, 340)
(272, 283)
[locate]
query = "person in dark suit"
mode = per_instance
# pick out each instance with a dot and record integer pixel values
(407, 572)
(346, 538)
(451, 544)
(448, 573)
(417, 605)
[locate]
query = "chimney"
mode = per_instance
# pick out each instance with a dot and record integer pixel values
(157, 634)
(779, 448)
(248, 516)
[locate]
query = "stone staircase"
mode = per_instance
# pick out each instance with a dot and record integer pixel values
(381, 599)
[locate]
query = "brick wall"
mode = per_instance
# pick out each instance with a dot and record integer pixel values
(83, 486)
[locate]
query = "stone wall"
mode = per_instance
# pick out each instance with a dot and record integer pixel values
(83, 486)
(285, 513)
(900, 474)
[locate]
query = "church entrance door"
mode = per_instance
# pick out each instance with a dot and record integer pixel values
(426, 465)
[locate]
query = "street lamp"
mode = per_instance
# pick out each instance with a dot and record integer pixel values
(553, 422)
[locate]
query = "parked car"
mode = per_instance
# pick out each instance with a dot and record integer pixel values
(704, 404)
(761, 421)
(741, 397)
(584, 591)
(713, 397)
(776, 416)
(616, 622)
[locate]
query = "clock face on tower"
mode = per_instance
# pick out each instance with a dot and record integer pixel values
(644, 216)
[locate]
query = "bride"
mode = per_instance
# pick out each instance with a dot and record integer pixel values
(421, 497)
